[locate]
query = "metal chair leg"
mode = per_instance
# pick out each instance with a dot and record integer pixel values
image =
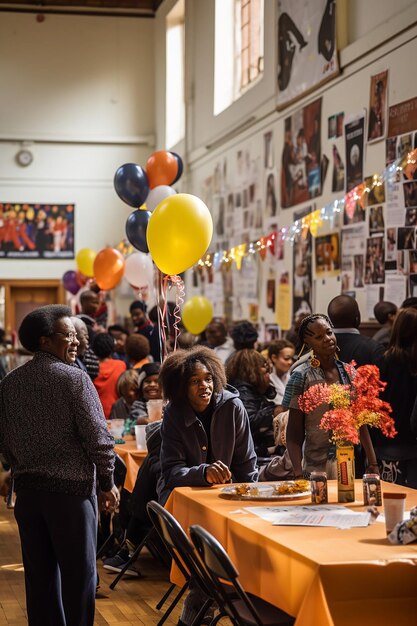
(165, 596)
(173, 604)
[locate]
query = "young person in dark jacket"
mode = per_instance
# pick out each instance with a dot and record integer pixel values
(248, 371)
(54, 436)
(205, 433)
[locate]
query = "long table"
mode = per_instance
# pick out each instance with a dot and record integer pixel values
(133, 459)
(321, 576)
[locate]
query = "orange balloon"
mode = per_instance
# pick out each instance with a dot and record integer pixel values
(161, 168)
(109, 267)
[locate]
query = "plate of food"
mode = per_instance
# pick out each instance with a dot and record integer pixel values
(282, 490)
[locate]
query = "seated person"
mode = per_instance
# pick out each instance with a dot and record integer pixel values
(138, 523)
(137, 350)
(205, 434)
(281, 355)
(248, 371)
(148, 389)
(127, 389)
(109, 371)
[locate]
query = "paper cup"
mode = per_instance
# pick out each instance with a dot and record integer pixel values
(155, 410)
(140, 437)
(394, 506)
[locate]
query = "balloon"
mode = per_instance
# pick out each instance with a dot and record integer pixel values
(131, 184)
(70, 283)
(81, 279)
(109, 267)
(85, 260)
(161, 168)
(139, 269)
(180, 168)
(196, 314)
(136, 227)
(157, 194)
(179, 232)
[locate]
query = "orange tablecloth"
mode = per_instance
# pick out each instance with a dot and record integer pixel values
(322, 576)
(133, 459)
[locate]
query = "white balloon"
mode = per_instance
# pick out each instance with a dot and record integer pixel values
(157, 194)
(139, 269)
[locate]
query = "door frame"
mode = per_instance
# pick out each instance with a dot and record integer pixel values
(9, 313)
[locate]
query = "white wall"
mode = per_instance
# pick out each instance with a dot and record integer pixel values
(379, 34)
(80, 90)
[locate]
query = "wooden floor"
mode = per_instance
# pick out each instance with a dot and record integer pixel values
(132, 602)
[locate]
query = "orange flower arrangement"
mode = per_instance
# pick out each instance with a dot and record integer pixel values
(352, 406)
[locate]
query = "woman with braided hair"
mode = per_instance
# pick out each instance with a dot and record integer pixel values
(308, 445)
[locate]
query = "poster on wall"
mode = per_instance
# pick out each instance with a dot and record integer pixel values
(378, 107)
(36, 231)
(302, 279)
(354, 137)
(307, 51)
(301, 156)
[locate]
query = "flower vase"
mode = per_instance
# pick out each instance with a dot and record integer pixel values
(345, 457)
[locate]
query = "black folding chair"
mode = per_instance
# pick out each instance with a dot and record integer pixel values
(245, 609)
(183, 553)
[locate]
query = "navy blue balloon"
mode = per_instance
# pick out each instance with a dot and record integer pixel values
(136, 227)
(131, 184)
(180, 167)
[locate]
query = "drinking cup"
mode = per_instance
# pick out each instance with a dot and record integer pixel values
(394, 506)
(117, 427)
(140, 436)
(155, 410)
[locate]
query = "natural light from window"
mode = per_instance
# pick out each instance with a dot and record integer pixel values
(174, 104)
(238, 50)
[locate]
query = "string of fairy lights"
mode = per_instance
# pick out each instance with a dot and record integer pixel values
(311, 222)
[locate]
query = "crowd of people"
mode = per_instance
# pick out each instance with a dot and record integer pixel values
(231, 413)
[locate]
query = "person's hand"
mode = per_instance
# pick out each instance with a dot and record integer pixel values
(109, 500)
(218, 473)
(5, 478)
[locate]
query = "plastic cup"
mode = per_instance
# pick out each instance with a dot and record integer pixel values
(155, 410)
(117, 427)
(394, 506)
(140, 437)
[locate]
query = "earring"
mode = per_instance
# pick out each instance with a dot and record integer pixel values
(314, 362)
(337, 353)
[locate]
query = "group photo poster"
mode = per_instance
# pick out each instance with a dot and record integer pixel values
(307, 50)
(36, 231)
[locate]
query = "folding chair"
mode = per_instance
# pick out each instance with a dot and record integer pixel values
(245, 609)
(178, 543)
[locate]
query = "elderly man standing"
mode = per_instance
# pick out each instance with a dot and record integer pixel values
(54, 436)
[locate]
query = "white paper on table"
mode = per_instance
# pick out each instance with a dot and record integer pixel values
(320, 515)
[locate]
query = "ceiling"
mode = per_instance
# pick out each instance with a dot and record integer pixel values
(127, 8)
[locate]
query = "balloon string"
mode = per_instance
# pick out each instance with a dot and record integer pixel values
(162, 306)
(179, 300)
(161, 327)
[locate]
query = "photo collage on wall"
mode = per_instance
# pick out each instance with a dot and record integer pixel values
(36, 231)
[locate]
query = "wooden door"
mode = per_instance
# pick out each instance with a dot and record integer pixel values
(23, 296)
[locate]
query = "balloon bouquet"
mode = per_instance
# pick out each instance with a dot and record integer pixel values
(174, 229)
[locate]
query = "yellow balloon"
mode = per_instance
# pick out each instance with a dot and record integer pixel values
(85, 261)
(179, 232)
(196, 314)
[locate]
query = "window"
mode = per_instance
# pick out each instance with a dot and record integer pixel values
(174, 101)
(239, 40)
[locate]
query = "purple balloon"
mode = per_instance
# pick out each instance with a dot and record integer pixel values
(70, 283)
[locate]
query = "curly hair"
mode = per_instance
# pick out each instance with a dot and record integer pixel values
(41, 323)
(245, 366)
(179, 367)
(304, 330)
